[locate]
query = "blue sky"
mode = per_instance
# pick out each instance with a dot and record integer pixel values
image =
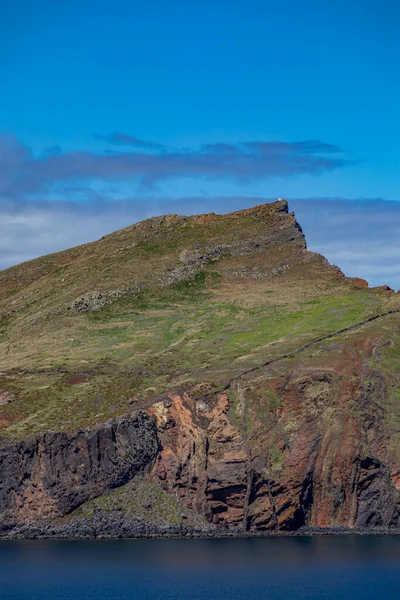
(115, 111)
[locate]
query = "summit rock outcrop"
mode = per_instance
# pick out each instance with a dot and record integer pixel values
(197, 374)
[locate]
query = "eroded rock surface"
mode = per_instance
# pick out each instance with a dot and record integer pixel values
(51, 475)
(306, 449)
(285, 450)
(267, 385)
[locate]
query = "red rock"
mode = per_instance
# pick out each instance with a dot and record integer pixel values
(383, 288)
(360, 282)
(306, 463)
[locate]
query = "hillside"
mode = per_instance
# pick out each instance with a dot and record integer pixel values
(204, 370)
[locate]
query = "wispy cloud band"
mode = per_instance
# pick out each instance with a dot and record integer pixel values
(23, 174)
(362, 238)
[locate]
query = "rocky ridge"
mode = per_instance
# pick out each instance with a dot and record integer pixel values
(295, 434)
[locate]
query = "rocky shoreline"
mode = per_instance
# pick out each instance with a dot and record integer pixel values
(106, 526)
(275, 414)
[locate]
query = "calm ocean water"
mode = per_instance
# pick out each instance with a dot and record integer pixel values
(331, 568)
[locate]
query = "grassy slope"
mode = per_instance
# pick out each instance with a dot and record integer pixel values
(70, 370)
(144, 500)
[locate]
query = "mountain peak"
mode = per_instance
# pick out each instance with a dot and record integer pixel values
(225, 359)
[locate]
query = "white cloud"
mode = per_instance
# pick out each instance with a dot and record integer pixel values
(362, 238)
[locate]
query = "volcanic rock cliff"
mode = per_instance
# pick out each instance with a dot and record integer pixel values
(200, 372)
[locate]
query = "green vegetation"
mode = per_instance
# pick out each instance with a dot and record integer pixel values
(153, 343)
(4, 324)
(145, 501)
(71, 370)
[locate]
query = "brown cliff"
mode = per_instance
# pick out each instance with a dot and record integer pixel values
(287, 452)
(51, 475)
(212, 365)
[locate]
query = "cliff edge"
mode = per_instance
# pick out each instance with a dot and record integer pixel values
(197, 374)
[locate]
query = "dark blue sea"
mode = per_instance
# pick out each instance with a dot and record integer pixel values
(320, 568)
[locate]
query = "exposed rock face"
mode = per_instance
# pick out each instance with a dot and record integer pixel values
(51, 475)
(297, 455)
(278, 454)
(95, 300)
(287, 231)
(302, 432)
(222, 464)
(88, 302)
(383, 288)
(363, 283)
(203, 458)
